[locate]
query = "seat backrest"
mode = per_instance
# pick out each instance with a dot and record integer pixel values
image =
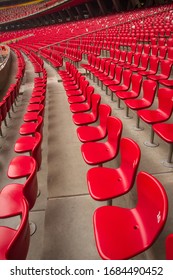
(112, 70)
(107, 67)
(149, 90)
(136, 58)
(104, 112)
(39, 127)
(130, 157)
(166, 66)
(152, 207)
(127, 77)
(170, 53)
(144, 60)
(17, 169)
(89, 92)
(18, 246)
(146, 49)
(36, 151)
(118, 73)
(169, 247)
(97, 64)
(136, 81)
(114, 129)
(117, 54)
(165, 101)
(129, 57)
(96, 98)
(154, 63)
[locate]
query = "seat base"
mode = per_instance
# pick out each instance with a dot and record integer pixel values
(152, 145)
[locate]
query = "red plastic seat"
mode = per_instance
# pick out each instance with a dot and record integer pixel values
(153, 67)
(14, 243)
(144, 59)
(116, 80)
(21, 167)
(169, 247)
(161, 114)
(136, 82)
(125, 84)
(97, 152)
(32, 127)
(122, 233)
(88, 117)
(107, 183)
(149, 91)
(31, 144)
(166, 66)
(165, 132)
(78, 90)
(135, 63)
(82, 97)
(33, 116)
(95, 133)
(85, 106)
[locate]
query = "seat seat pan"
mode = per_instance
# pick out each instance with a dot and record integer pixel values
(136, 104)
(74, 92)
(151, 116)
(119, 234)
(28, 128)
(126, 94)
(118, 88)
(7, 235)
(20, 166)
(33, 107)
(30, 116)
(106, 183)
(165, 131)
(24, 144)
(76, 99)
(83, 118)
(168, 83)
(90, 133)
(79, 107)
(96, 153)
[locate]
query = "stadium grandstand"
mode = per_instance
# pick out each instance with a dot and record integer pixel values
(86, 130)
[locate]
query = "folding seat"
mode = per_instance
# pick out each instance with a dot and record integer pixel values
(14, 243)
(149, 90)
(125, 83)
(88, 133)
(107, 183)
(91, 116)
(143, 65)
(136, 82)
(161, 114)
(28, 128)
(84, 106)
(165, 132)
(169, 246)
(79, 98)
(100, 152)
(165, 71)
(122, 233)
(153, 67)
(31, 144)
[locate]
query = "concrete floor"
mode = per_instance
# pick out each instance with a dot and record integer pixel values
(63, 212)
